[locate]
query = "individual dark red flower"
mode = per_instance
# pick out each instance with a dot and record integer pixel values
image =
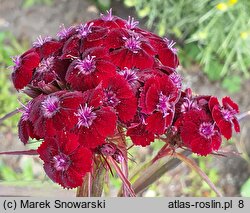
(119, 95)
(225, 115)
(71, 47)
(137, 77)
(87, 72)
(129, 49)
(91, 36)
(139, 135)
(137, 131)
(167, 54)
(109, 21)
(47, 46)
(85, 36)
(54, 112)
(158, 100)
(95, 121)
(65, 161)
(188, 102)
(64, 33)
(165, 50)
(50, 70)
(200, 133)
(23, 68)
(25, 127)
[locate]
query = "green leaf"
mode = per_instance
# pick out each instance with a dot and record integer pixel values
(245, 189)
(29, 3)
(27, 170)
(232, 84)
(213, 70)
(104, 4)
(162, 29)
(130, 3)
(144, 12)
(192, 50)
(7, 173)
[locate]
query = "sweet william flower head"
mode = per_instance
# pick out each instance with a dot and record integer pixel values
(105, 78)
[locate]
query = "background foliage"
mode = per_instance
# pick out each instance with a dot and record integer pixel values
(215, 34)
(9, 46)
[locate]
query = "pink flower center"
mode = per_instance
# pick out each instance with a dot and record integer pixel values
(206, 130)
(17, 61)
(85, 29)
(133, 43)
(64, 32)
(170, 44)
(188, 105)
(110, 98)
(45, 65)
(176, 79)
(86, 66)
(228, 114)
(108, 16)
(40, 41)
(86, 116)
(164, 105)
(131, 23)
(129, 75)
(26, 111)
(50, 106)
(61, 162)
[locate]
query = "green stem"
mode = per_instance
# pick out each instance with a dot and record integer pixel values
(93, 182)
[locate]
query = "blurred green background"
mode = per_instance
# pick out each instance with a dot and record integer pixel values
(213, 40)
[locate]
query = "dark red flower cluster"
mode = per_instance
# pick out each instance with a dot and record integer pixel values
(105, 74)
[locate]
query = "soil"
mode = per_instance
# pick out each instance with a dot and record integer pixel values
(45, 20)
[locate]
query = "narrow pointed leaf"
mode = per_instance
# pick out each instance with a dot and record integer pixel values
(119, 172)
(124, 164)
(191, 163)
(153, 172)
(10, 114)
(164, 151)
(25, 152)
